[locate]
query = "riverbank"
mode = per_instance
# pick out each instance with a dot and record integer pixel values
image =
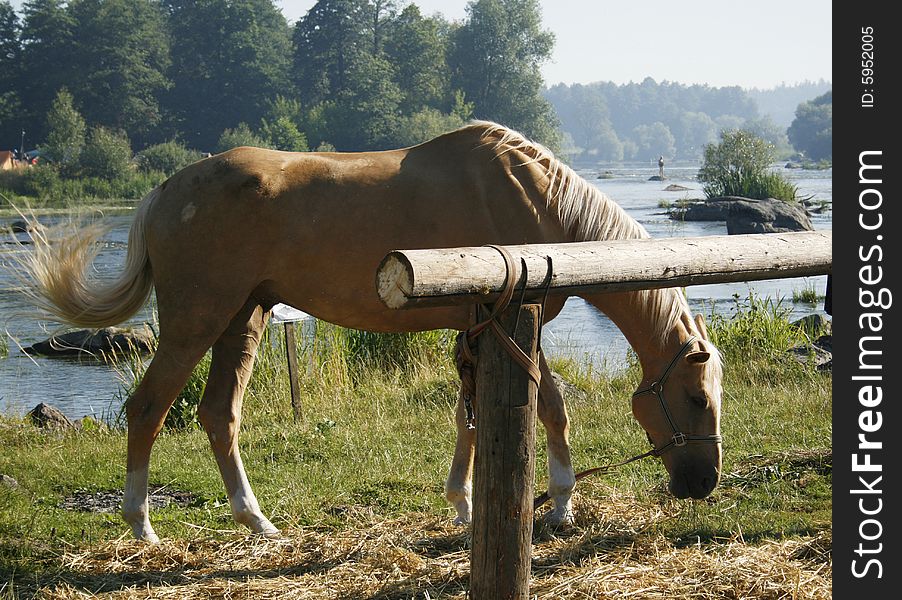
(357, 489)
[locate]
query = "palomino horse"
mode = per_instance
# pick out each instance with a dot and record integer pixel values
(226, 238)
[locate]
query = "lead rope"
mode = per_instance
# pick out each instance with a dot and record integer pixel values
(466, 356)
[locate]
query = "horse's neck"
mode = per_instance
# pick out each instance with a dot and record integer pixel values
(647, 322)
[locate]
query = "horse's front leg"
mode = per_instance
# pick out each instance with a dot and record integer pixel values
(561, 479)
(459, 486)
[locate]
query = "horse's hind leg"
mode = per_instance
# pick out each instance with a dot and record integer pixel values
(146, 410)
(220, 410)
(553, 414)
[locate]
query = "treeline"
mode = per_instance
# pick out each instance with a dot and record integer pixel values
(780, 102)
(641, 121)
(349, 75)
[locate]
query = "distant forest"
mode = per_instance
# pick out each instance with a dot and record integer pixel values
(349, 75)
(604, 121)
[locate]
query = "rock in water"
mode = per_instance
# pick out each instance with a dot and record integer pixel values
(49, 417)
(109, 340)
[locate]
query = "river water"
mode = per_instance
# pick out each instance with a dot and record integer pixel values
(80, 387)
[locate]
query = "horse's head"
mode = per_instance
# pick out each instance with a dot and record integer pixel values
(678, 405)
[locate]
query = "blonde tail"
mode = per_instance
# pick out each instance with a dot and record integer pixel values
(56, 274)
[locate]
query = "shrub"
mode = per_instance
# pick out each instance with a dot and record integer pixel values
(167, 158)
(283, 134)
(45, 182)
(240, 136)
(739, 166)
(107, 155)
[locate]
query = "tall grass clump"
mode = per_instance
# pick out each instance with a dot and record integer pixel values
(807, 295)
(332, 361)
(756, 328)
(341, 358)
(739, 166)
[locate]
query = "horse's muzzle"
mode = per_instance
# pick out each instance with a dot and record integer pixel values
(690, 482)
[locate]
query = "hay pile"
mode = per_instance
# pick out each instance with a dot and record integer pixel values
(608, 554)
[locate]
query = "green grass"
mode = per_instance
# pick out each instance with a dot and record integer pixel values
(752, 185)
(378, 432)
(807, 295)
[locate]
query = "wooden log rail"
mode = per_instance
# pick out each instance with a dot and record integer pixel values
(443, 277)
(505, 449)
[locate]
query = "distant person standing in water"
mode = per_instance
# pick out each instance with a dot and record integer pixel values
(661, 167)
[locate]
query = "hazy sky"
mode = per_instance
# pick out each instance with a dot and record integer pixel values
(752, 44)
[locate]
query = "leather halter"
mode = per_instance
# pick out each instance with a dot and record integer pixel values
(679, 438)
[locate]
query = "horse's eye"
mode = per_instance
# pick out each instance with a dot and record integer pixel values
(699, 401)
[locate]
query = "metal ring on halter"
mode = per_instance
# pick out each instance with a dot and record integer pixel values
(679, 438)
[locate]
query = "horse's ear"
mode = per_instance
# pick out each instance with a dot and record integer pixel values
(697, 358)
(700, 323)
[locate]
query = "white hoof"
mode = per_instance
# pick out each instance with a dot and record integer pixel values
(257, 523)
(560, 516)
(145, 533)
(461, 520)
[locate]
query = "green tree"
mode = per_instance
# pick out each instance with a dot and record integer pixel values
(121, 54)
(10, 74)
(692, 132)
(65, 132)
(230, 58)
(653, 140)
(107, 154)
(496, 58)
(424, 125)
(769, 131)
(47, 45)
(416, 48)
(328, 43)
(812, 130)
(366, 113)
(738, 166)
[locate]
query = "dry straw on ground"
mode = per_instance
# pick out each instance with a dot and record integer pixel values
(610, 553)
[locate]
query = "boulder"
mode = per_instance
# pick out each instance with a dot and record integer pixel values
(19, 227)
(569, 392)
(766, 216)
(701, 210)
(814, 325)
(49, 417)
(819, 351)
(675, 187)
(746, 215)
(110, 340)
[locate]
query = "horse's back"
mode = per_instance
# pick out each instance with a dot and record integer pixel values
(311, 228)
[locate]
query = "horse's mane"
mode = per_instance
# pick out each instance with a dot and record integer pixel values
(587, 214)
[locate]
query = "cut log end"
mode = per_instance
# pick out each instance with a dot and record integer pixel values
(394, 280)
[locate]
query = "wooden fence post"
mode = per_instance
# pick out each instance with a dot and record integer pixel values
(500, 557)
